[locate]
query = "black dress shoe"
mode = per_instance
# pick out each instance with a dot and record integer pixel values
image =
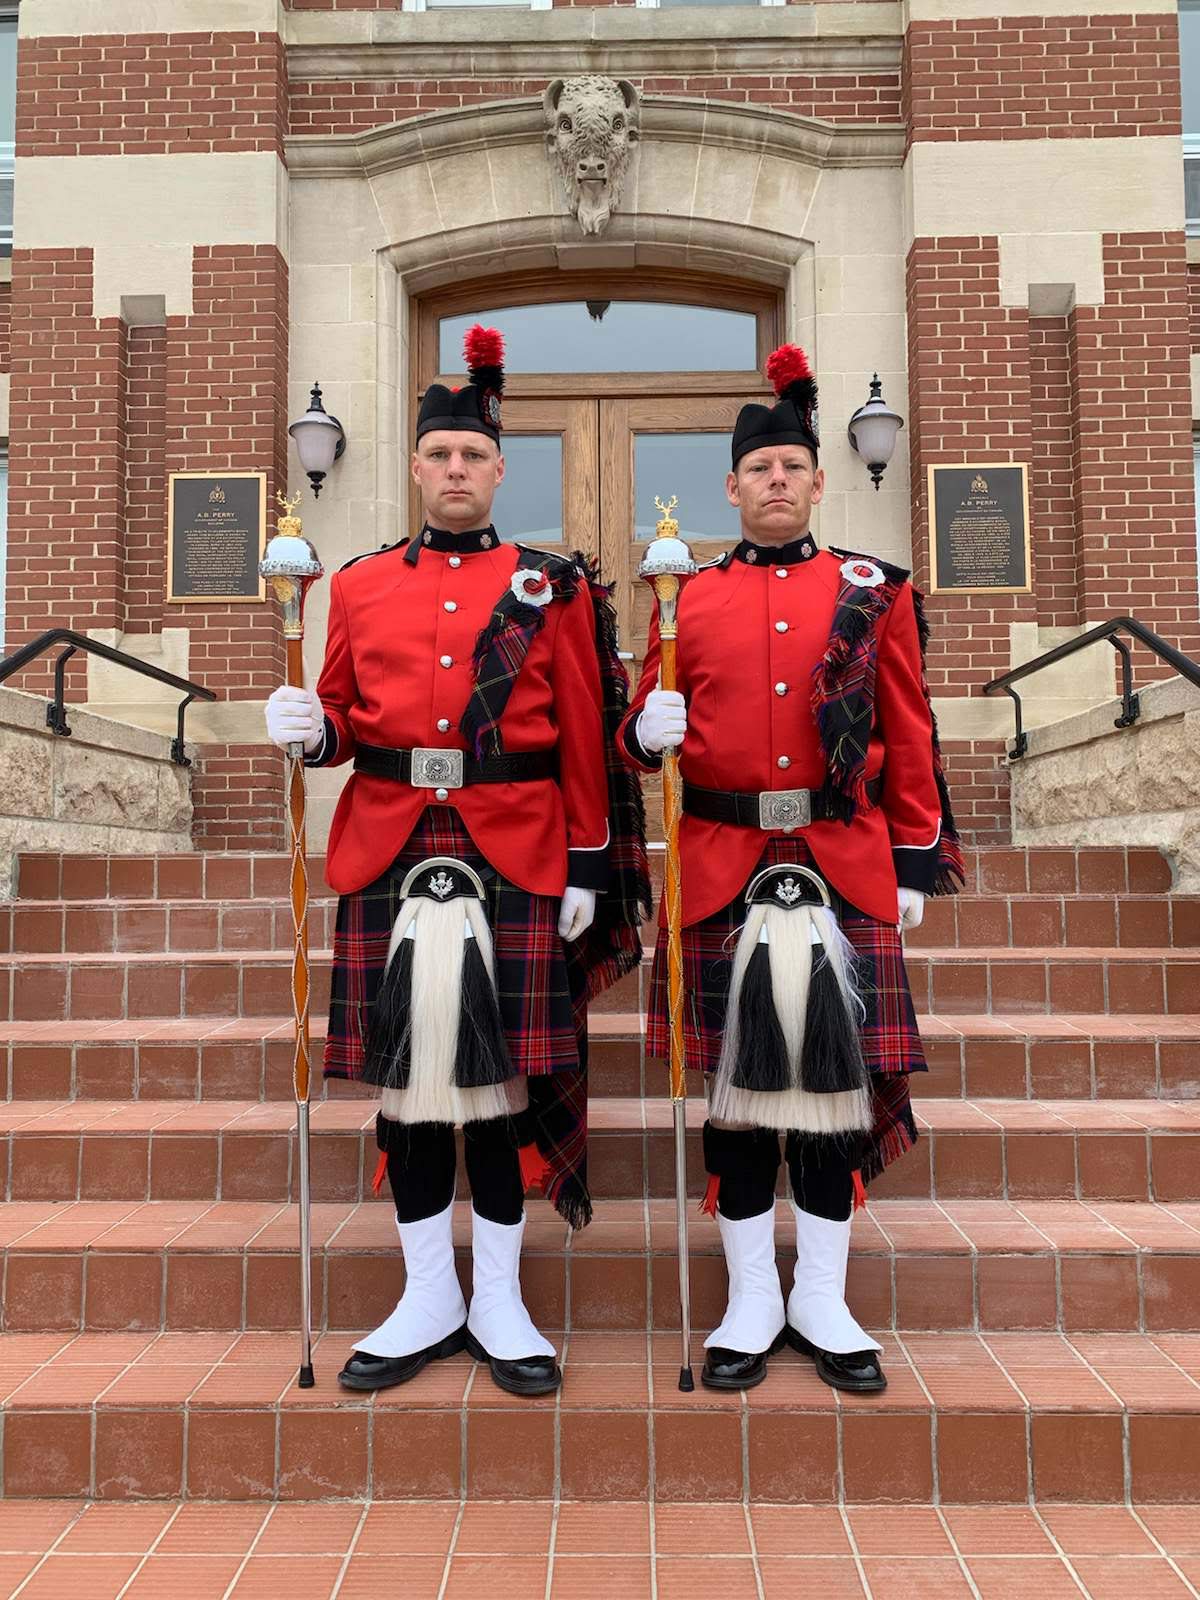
(528, 1375)
(858, 1371)
(365, 1371)
(735, 1369)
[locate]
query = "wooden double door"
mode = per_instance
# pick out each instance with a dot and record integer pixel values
(583, 474)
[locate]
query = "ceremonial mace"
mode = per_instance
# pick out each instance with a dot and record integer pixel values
(291, 564)
(667, 562)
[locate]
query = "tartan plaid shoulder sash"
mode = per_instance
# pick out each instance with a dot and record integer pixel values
(503, 645)
(843, 697)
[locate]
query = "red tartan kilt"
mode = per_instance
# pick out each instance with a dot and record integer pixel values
(891, 1042)
(540, 993)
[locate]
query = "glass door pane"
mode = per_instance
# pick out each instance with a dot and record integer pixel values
(663, 447)
(693, 467)
(529, 503)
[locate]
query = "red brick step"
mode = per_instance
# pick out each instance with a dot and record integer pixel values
(234, 1150)
(987, 1419)
(981, 1055)
(970, 1264)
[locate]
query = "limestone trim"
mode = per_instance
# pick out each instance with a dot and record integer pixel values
(1028, 186)
(585, 32)
(234, 198)
(665, 118)
(617, 60)
(41, 19)
(1051, 273)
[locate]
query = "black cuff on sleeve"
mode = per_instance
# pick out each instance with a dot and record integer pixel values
(587, 869)
(636, 749)
(327, 751)
(917, 869)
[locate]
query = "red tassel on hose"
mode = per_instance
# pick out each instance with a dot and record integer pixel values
(860, 1192)
(708, 1206)
(535, 1169)
(380, 1173)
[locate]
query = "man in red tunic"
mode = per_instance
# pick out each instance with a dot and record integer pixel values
(815, 822)
(462, 678)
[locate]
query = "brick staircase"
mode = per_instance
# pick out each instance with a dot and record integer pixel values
(1033, 1267)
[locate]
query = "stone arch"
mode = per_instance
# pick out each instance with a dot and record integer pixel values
(714, 187)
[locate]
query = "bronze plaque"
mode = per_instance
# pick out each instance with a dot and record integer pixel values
(979, 528)
(216, 534)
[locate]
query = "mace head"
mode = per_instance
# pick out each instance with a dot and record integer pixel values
(289, 554)
(667, 552)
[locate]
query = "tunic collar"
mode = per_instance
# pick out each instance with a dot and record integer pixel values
(459, 544)
(775, 555)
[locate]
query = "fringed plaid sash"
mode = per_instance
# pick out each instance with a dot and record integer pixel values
(501, 649)
(843, 703)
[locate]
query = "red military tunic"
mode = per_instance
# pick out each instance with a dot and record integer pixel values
(751, 632)
(398, 673)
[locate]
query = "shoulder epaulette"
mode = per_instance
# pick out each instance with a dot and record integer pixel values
(892, 573)
(555, 564)
(367, 554)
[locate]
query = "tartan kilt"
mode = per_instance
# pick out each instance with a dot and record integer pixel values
(891, 1043)
(541, 1005)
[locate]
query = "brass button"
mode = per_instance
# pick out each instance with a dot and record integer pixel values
(449, 605)
(784, 761)
(781, 688)
(781, 572)
(781, 627)
(447, 661)
(788, 830)
(441, 794)
(456, 561)
(443, 724)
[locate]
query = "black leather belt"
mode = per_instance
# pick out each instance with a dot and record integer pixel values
(771, 809)
(426, 768)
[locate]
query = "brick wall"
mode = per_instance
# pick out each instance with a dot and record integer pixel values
(1053, 512)
(5, 326)
(151, 94)
(1133, 447)
(1193, 283)
(1042, 77)
(969, 399)
(145, 480)
(324, 106)
(66, 455)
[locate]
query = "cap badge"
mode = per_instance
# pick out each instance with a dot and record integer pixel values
(491, 407)
(863, 574)
(531, 588)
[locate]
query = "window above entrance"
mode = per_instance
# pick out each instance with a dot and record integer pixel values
(572, 336)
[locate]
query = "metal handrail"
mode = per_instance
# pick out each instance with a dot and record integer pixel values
(56, 711)
(1131, 706)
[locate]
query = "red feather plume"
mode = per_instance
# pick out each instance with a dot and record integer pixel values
(786, 366)
(483, 347)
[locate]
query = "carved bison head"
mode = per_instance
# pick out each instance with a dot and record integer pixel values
(591, 122)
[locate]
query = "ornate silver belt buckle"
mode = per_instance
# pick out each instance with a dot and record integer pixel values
(437, 769)
(784, 808)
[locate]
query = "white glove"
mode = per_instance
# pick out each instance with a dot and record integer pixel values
(912, 908)
(576, 913)
(663, 721)
(295, 716)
